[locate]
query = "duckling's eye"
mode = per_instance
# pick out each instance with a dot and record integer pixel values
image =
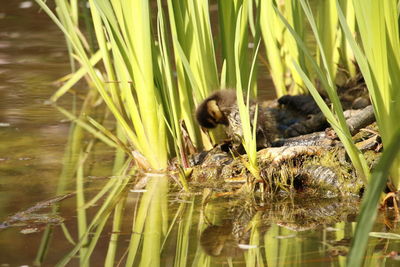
(213, 114)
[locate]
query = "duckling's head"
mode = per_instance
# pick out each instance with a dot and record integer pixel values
(211, 111)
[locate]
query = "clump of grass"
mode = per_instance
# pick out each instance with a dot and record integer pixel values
(248, 123)
(380, 65)
(335, 117)
(150, 113)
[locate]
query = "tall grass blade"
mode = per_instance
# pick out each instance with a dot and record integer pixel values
(370, 201)
(78, 75)
(327, 22)
(272, 32)
(249, 137)
(82, 123)
(195, 59)
(346, 53)
(295, 17)
(379, 31)
(227, 14)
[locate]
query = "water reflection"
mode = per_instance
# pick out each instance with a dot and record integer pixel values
(219, 241)
(264, 233)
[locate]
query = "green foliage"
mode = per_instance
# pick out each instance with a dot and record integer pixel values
(327, 22)
(346, 54)
(194, 58)
(335, 117)
(380, 65)
(139, 86)
(249, 134)
(149, 103)
(295, 17)
(272, 32)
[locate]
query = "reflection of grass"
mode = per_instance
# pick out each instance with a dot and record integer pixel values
(70, 162)
(116, 188)
(112, 193)
(253, 256)
(150, 224)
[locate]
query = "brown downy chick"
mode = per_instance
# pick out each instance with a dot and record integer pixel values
(221, 108)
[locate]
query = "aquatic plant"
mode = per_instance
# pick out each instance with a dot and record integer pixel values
(272, 30)
(151, 105)
(378, 60)
(379, 63)
(249, 134)
(282, 49)
(368, 212)
(335, 117)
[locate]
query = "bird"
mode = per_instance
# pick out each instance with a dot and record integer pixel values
(221, 108)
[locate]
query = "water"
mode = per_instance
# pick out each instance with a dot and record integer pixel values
(38, 152)
(33, 135)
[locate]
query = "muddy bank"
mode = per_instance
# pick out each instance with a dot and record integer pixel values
(315, 164)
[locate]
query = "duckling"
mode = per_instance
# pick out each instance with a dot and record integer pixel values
(221, 108)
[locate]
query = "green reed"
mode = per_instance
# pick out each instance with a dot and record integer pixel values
(378, 58)
(370, 201)
(249, 133)
(377, 55)
(138, 84)
(281, 47)
(335, 117)
(327, 24)
(272, 30)
(346, 53)
(150, 104)
(380, 65)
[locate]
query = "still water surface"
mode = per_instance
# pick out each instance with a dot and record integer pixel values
(35, 153)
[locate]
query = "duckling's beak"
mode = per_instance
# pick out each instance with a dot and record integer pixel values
(224, 120)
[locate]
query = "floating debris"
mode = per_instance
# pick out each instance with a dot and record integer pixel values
(33, 221)
(26, 4)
